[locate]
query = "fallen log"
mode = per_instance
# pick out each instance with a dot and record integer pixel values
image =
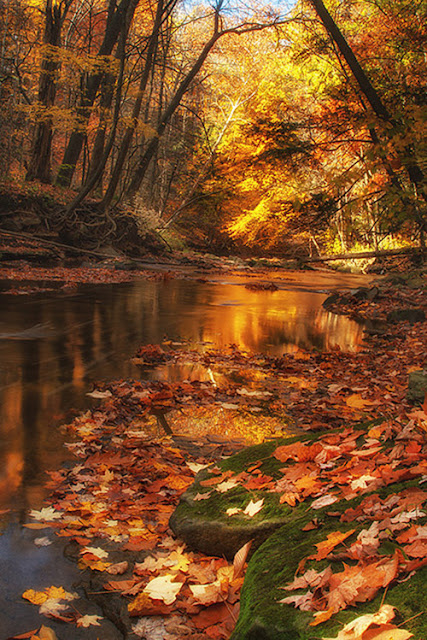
(367, 254)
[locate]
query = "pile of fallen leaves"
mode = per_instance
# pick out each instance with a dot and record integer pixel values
(117, 503)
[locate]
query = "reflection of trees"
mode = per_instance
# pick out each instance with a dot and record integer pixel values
(95, 333)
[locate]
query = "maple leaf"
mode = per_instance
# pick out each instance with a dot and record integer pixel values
(178, 561)
(202, 496)
(35, 597)
(163, 588)
(325, 547)
(311, 578)
(253, 507)
(361, 628)
(89, 620)
(225, 486)
(303, 601)
(47, 514)
(60, 594)
(232, 511)
(52, 607)
(362, 581)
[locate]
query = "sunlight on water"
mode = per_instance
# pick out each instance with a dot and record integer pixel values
(52, 348)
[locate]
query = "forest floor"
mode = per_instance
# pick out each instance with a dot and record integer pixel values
(140, 450)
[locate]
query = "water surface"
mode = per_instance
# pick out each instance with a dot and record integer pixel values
(54, 345)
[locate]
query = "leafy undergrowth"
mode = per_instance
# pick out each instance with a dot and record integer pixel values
(114, 505)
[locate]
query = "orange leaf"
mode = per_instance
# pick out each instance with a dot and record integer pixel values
(321, 616)
(325, 547)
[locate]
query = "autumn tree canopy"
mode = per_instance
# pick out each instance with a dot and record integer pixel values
(279, 127)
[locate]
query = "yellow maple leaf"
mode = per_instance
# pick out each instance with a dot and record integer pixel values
(96, 565)
(355, 401)
(35, 597)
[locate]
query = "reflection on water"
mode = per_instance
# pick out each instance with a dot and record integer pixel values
(53, 345)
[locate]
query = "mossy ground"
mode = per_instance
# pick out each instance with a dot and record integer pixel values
(275, 563)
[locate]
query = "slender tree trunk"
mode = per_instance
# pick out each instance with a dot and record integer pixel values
(39, 167)
(105, 105)
(151, 149)
(414, 171)
(117, 16)
(127, 139)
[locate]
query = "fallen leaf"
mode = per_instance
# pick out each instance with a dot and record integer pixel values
(324, 501)
(95, 551)
(150, 627)
(207, 594)
(99, 394)
(47, 514)
(303, 601)
(118, 568)
(42, 542)
(240, 559)
(46, 633)
(325, 547)
(356, 628)
(52, 607)
(89, 620)
(163, 588)
(253, 508)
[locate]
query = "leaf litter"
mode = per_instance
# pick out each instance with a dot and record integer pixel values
(128, 482)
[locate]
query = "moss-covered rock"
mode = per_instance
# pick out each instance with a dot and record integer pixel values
(263, 617)
(411, 315)
(417, 386)
(203, 523)
(370, 473)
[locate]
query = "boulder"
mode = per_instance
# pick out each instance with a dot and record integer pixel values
(417, 386)
(410, 315)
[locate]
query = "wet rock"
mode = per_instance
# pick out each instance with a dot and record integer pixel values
(131, 265)
(216, 538)
(363, 293)
(331, 300)
(417, 386)
(410, 315)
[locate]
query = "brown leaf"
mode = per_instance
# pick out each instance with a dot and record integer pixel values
(240, 559)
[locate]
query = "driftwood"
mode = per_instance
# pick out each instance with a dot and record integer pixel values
(366, 254)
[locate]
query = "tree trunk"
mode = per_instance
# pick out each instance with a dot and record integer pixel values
(127, 139)
(151, 149)
(39, 167)
(414, 171)
(117, 16)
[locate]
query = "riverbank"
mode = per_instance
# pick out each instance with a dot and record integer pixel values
(113, 506)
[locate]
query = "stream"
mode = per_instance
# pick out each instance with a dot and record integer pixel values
(55, 345)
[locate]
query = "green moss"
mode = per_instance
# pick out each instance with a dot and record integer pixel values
(275, 563)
